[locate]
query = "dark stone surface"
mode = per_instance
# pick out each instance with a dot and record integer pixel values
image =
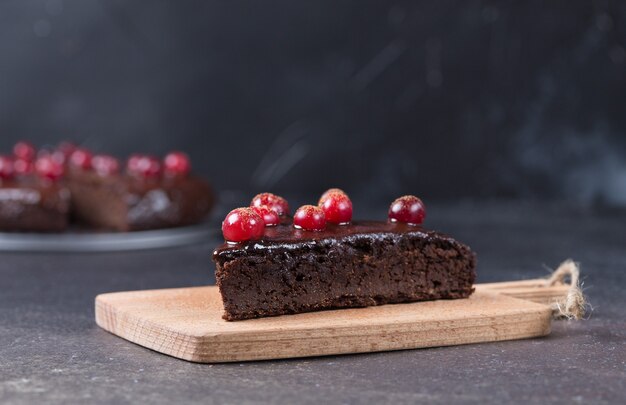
(51, 349)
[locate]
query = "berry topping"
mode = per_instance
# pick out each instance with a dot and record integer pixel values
(310, 218)
(337, 206)
(24, 150)
(143, 166)
(23, 167)
(7, 170)
(55, 155)
(81, 158)
(330, 191)
(58, 156)
(242, 224)
(270, 217)
(48, 168)
(177, 164)
(408, 209)
(63, 152)
(105, 165)
(274, 202)
(67, 148)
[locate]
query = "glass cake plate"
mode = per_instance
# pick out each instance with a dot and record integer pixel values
(82, 240)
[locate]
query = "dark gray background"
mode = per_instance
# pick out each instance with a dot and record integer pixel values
(447, 100)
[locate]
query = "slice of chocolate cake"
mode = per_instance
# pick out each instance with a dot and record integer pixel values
(360, 264)
(32, 202)
(129, 203)
(31, 205)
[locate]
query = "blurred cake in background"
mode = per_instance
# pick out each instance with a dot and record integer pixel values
(46, 190)
(32, 197)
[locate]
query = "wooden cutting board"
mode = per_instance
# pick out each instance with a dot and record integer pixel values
(187, 323)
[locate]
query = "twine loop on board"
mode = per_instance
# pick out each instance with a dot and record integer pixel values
(574, 304)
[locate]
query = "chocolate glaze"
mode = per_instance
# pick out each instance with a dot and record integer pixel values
(286, 237)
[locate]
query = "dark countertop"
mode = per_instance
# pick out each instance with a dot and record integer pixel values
(51, 349)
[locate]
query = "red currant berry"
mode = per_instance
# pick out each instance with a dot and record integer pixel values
(24, 150)
(48, 168)
(330, 191)
(133, 161)
(273, 202)
(242, 224)
(270, 217)
(105, 165)
(337, 207)
(177, 164)
(144, 166)
(63, 152)
(23, 167)
(7, 170)
(55, 155)
(310, 218)
(81, 158)
(67, 148)
(408, 209)
(59, 157)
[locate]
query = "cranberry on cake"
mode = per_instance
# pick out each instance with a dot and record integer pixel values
(324, 260)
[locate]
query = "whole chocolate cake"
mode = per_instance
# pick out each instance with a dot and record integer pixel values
(311, 265)
(46, 190)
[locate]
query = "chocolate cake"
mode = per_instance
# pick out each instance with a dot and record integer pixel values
(291, 270)
(30, 204)
(127, 203)
(45, 190)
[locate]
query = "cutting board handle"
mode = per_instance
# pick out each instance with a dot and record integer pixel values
(566, 299)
